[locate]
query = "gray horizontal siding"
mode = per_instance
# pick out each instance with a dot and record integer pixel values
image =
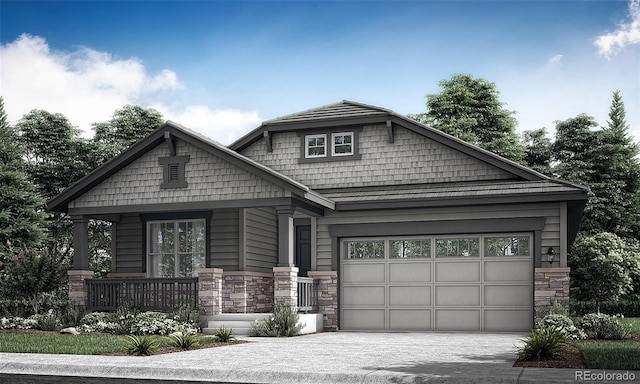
(224, 247)
(550, 212)
(129, 247)
(261, 239)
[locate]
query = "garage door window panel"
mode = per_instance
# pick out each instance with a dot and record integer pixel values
(365, 250)
(410, 249)
(507, 246)
(458, 247)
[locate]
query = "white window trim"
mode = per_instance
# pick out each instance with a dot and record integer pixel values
(306, 146)
(333, 143)
(177, 252)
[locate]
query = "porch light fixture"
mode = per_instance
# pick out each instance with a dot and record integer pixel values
(551, 255)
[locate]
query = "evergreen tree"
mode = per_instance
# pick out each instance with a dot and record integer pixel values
(22, 219)
(537, 150)
(471, 110)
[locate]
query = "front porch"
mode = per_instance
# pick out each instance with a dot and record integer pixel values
(215, 293)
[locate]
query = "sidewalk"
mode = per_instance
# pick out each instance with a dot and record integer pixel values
(342, 357)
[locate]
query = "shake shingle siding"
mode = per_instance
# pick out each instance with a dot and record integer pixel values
(410, 159)
(261, 239)
(208, 177)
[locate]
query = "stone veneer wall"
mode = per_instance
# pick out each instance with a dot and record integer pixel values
(247, 292)
(327, 297)
(551, 285)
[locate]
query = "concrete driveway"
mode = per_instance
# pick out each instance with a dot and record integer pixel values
(341, 357)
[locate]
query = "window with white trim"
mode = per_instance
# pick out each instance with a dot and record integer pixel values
(176, 248)
(342, 144)
(315, 146)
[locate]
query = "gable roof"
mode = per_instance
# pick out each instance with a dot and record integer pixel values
(345, 113)
(169, 131)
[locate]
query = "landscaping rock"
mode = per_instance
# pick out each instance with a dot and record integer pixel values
(70, 330)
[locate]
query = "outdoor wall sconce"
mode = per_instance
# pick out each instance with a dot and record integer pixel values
(551, 255)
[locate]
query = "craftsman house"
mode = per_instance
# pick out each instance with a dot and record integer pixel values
(349, 210)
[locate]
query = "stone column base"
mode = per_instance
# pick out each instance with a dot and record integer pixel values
(78, 291)
(247, 292)
(209, 291)
(285, 286)
(327, 297)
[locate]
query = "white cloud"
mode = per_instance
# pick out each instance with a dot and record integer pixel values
(88, 86)
(223, 125)
(628, 33)
(554, 60)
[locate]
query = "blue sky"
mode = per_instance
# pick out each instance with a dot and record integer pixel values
(223, 67)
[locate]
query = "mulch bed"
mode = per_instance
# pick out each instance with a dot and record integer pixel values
(570, 357)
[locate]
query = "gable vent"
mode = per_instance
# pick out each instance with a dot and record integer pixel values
(174, 172)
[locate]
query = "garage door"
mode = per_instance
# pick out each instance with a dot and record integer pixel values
(456, 283)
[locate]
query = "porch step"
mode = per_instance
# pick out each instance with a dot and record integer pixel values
(240, 322)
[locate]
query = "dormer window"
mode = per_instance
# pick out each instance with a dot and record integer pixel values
(329, 145)
(315, 146)
(342, 144)
(173, 171)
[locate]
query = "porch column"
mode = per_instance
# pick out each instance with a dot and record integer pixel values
(210, 291)
(80, 242)
(285, 286)
(286, 236)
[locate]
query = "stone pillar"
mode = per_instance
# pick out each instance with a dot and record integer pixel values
(285, 286)
(551, 285)
(209, 291)
(327, 297)
(78, 290)
(286, 236)
(80, 242)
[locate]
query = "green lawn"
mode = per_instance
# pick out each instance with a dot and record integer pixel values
(89, 344)
(611, 354)
(600, 354)
(63, 344)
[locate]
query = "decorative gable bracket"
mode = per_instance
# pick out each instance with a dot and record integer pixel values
(390, 131)
(171, 143)
(267, 140)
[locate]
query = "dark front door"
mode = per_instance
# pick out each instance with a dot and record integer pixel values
(303, 249)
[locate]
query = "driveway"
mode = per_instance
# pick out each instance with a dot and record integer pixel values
(339, 357)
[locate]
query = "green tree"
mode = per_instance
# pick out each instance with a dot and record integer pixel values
(572, 149)
(471, 110)
(22, 220)
(614, 205)
(538, 152)
(55, 157)
(127, 125)
(602, 267)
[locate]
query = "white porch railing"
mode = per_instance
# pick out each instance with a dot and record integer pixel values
(307, 294)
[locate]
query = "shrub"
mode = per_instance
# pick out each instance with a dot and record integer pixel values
(544, 343)
(47, 322)
(224, 335)
(183, 340)
(141, 345)
(629, 307)
(601, 326)
(284, 322)
(565, 325)
(17, 323)
(187, 314)
(156, 323)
